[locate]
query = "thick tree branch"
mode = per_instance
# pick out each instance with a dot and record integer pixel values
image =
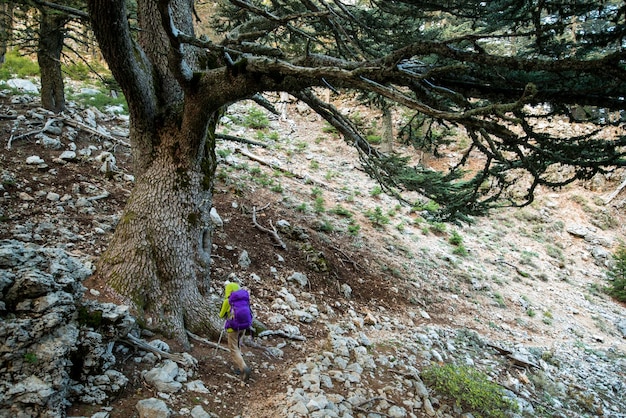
(127, 62)
(63, 8)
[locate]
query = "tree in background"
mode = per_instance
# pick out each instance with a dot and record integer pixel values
(42, 27)
(471, 64)
(6, 24)
(49, 48)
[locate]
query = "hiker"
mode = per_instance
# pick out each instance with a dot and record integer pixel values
(236, 309)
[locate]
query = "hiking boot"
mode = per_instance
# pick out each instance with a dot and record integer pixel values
(246, 373)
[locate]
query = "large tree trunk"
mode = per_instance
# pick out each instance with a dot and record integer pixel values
(159, 256)
(49, 57)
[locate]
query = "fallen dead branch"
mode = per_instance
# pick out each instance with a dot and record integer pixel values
(232, 138)
(273, 232)
(92, 131)
(355, 266)
(178, 358)
(515, 359)
(269, 164)
(207, 342)
(517, 269)
(102, 195)
(25, 135)
(615, 192)
(289, 173)
(281, 333)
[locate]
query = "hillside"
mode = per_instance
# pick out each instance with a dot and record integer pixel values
(382, 293)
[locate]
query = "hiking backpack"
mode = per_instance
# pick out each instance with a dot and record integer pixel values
(241, 318)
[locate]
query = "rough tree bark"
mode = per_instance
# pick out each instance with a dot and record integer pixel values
(49, 57)
(159, 256)
(6, 24)
(158, 259)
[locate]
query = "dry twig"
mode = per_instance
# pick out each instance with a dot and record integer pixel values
(93, 131)
(273, 232)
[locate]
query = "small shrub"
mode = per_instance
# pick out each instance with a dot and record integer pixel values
(277, 188)
(256, 119)
(460, 250)
(224, 152)
(77, 71)
(330, 129)
(100, 100)
(377, 216)
(301, 146)
(470, 389)
(617, 275)
(429, 206)
(30, 358)
(318, 205)
(374, 139)
(301, 208)
(316, 192)
(341, 211)
(438, 228)
(326, 226)
(314, 165)
(376, 191)
(554, 252)
(354, 228)
(18, 65)
(455, 238)
(499, 300)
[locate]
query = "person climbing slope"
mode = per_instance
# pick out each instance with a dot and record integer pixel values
(236, 309)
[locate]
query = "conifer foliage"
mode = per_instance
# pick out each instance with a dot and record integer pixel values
(501, 71)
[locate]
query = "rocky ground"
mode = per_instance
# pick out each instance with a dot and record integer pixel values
(366, 298)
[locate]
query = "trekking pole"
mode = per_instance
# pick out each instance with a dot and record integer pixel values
(219, 341)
